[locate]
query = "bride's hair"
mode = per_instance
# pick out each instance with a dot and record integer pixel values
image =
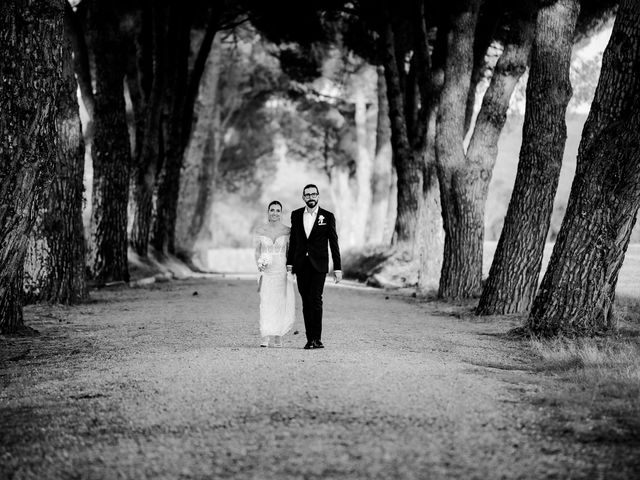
(275, 202)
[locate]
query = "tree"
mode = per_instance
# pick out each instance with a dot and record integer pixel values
(578, 289)
(513, 277)
(201, 159)
(355, 106)
(32, 57)
(461, 269)
(148, 84)
(412, 89)
(111, 151)
(225, 146)
(439, 183)
(382, 174)
(55, 264)
(179, 103)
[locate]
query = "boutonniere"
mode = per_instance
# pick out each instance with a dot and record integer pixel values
(321, 220)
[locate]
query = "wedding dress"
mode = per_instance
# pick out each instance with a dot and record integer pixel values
(277, 300)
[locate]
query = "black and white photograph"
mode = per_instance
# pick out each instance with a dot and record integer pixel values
(323, 239)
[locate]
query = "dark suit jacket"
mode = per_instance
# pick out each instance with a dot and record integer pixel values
(322, 233)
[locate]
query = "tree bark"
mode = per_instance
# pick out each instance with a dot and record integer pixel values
(430, 234)
(31, 55)
(75, 31)
(407, 165)
(181, 103)
(577, 292)
(430, 231)
(412, 99)
(462, 220)
(55, 264)
(148, 149)
(489, 17)
(110, 148)
(514, 272)
(178, 40)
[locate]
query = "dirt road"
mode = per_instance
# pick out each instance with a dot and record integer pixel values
(162, 382)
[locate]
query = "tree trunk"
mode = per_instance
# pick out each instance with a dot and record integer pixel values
(343, 198)
(381, 170)
(75, 31)
(149, 152)
(163, 228)
(32, 59)
(577, 292)
(407, 165)
(364, 162)
(431, 233)
(55, 264)
(201, 161)
(462, 219)
(181, 104)
(412, 99)
(489, 18)
(514, 272)
(392, 208)
(110, 148)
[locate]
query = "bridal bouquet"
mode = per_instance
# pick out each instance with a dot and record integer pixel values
(264, 261)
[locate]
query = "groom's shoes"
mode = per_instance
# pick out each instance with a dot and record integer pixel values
(313, 344)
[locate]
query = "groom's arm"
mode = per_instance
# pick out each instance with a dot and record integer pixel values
(293, 241)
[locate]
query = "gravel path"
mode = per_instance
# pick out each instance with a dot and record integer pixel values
(163, 383)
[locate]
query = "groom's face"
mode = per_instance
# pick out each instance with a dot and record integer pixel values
(310, 197)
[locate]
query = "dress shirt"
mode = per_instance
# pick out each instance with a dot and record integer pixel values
(308, 219)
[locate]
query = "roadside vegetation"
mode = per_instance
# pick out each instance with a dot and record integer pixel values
(595, 382)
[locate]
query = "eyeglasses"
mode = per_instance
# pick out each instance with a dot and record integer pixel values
(310, 195)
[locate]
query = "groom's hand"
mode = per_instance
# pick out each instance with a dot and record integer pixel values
(337, 274)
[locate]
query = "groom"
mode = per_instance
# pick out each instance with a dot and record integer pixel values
(312, 228)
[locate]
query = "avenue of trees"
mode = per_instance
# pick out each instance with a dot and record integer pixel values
(183, 96)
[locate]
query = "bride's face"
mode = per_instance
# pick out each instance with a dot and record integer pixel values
(274, 213)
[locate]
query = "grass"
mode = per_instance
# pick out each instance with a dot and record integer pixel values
(592, 361)
(628, 308)
(598, 392)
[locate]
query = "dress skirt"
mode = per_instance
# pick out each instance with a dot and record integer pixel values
(277, 302)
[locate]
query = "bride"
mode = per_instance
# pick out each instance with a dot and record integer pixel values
(277, 300)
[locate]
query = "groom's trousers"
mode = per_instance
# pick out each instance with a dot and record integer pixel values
(311, 286)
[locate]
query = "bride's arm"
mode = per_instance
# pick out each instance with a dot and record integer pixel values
(256, 247)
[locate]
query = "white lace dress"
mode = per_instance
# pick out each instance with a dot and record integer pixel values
(277, 297)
